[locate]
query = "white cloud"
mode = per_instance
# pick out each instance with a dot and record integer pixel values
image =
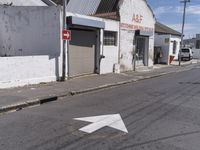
(162, 10)
(192, 21)
(195, 9)
(189, 30)
(179, 27)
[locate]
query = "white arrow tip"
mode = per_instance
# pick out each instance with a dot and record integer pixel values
(98, 122)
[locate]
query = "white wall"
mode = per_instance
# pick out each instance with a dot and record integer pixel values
(30, 40)
(178, 40)
(128, 25)
(111, 53)
(160, 41)
(196, 53)
(167, 48)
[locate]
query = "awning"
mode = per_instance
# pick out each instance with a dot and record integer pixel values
(143, 33)
(72, 20)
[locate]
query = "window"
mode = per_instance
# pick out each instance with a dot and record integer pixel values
(166, 40)
(174, 47)
(110, 38)
(198, 44)
(185, 50)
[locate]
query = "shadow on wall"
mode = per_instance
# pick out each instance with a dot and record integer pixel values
(30, 31)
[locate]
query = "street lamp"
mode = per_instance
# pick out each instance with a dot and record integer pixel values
(183, 25)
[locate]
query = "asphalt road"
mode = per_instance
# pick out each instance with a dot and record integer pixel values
(160, 114)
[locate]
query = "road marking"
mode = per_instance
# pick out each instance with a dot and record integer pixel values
(97, 122)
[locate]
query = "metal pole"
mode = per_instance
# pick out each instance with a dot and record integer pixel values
(183, 25)
(134, 52)
(134, 59)
(64, 43)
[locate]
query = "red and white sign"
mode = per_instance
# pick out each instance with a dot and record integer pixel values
(67, 35)
(137, 18)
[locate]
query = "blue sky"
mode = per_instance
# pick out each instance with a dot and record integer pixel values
(170, 12)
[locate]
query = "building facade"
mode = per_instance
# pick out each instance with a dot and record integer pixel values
(31, 45)
(113, 36)
(136, 34)
(167, 44)
(94, 45)
(136, 28)
(194, 44)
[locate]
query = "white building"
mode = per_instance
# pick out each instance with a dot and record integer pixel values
(31, 45)
(167, 43)
(31, 40)
(136, 28)
(194, 44)
(94, 45)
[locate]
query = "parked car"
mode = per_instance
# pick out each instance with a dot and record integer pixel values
(186, 53)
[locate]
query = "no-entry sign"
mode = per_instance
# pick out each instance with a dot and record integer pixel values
(67, 35)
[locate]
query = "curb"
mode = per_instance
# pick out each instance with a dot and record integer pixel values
(43, 100)
(19, 106)
(72, 93)
(103, 87)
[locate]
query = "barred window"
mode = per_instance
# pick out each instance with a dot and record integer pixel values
(110, 38)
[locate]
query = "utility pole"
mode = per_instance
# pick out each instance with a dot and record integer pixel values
(64, 43)
(183, 25)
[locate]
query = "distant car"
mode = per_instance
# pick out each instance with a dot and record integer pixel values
(186, 53)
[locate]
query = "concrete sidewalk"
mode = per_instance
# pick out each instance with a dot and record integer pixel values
(18, 98)
(193, 61)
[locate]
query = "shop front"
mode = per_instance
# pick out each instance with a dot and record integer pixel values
(84, 47)
(167, 44)
(136, 29)
(136, 34)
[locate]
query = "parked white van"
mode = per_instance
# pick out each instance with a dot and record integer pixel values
(186, 53)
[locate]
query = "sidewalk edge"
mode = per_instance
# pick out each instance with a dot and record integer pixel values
(43, 100)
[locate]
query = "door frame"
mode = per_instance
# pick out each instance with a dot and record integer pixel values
(97, 48)
(146, 50)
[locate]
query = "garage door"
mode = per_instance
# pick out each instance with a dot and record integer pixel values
(82, 52)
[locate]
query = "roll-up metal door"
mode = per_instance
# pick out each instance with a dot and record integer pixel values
(82, 50)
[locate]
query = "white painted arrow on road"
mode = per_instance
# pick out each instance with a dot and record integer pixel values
(114, 121)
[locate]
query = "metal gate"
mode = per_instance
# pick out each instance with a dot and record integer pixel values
(140, 50)
(82, 52)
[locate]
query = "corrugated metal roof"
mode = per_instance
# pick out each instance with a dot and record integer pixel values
(96, 7)
(161, 28)
(85, 7)
(23, 2)
(49, 2)
(107, 6)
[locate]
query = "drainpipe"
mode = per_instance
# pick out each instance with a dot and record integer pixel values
(134, 49)
(64, 43)
(101, 48)
(119, 38)
(67, 42)
(102, 42)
